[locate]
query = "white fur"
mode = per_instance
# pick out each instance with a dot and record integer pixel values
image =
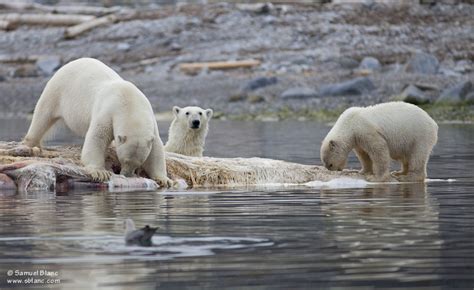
(183, 138)
(395, 130)
(95, 102)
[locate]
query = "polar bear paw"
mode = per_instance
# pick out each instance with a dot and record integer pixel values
(164, 182)
(99, 175)
(375, 178)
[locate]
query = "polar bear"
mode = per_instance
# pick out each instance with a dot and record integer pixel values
(188, 131)
(394, 130)
(95, 102)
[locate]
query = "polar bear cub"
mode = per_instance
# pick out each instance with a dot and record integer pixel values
(188, 131)
(395, 130)
(95, 102)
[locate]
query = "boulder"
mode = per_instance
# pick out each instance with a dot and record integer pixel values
(469, 98)
(258, 83)
(47, 65)
(422, 63)
(413, 95)
(370, 63)
(357, 86)
(457, 93)
(299, 93)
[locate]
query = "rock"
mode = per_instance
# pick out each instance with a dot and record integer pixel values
(456, 94)
(255, 99)
(413, 95)
(370, 63)
(469, 98)
(259, 8)
(175, 46)
(463, 66)
(123, 46)
(3, 78)
(24, 71)
(348, 63)
(357, 86)
(422, 63)
(6, 182)
(48, 65)
(258, 83)
(299, 93)
(237, 98)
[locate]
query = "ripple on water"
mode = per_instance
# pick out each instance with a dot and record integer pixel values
(106, 249)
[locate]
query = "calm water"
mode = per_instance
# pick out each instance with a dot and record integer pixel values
(394, 236)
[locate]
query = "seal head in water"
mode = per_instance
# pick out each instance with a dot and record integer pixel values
(141, 237)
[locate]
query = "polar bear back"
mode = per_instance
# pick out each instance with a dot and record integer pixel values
(83, 88)
(403, 125)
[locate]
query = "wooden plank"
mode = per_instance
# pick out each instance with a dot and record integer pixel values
(80, 28)
(219, 65)
(46, 19)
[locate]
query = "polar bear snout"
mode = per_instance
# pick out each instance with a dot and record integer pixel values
(195, 124)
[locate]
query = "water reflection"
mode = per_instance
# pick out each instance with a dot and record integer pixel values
(408, 235)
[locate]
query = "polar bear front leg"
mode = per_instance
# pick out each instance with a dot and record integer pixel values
(364, 161)
(377, 149)
(155, 164)
(93, 153)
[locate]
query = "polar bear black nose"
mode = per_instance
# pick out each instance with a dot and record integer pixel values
(195, 124)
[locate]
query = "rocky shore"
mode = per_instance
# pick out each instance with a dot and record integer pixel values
(314, 60)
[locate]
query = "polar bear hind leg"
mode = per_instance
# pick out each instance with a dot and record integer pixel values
(404, 169)
(416, 166)
(43, 119)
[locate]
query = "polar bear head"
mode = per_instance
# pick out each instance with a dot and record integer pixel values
(132, 152)
(333, 154)
(194, 118)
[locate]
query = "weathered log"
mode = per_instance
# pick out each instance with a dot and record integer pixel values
(78, 29)
(221, 65)
(22, 5)
(7, 25)
(18, 58)
(89, 10)
(41, 169)
(46, 19)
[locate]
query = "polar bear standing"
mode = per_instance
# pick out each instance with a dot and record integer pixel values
(395, 130)
(95, 102)
(188, 131)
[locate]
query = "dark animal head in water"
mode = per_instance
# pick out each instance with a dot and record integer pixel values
(141, 237)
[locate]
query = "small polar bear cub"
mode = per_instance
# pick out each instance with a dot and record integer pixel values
(395, 130)
(188, 131)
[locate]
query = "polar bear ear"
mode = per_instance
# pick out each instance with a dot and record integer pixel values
(121, 139)
(176, 110)
(209, 113)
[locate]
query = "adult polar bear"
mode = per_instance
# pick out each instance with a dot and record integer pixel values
(394, 130)
(95, 102)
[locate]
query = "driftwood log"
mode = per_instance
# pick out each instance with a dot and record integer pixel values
(45, 19)
(221, 65)
(59, 167)
(80, 28)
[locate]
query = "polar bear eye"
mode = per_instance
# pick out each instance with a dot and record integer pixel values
(200, 113)
(187, 113)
